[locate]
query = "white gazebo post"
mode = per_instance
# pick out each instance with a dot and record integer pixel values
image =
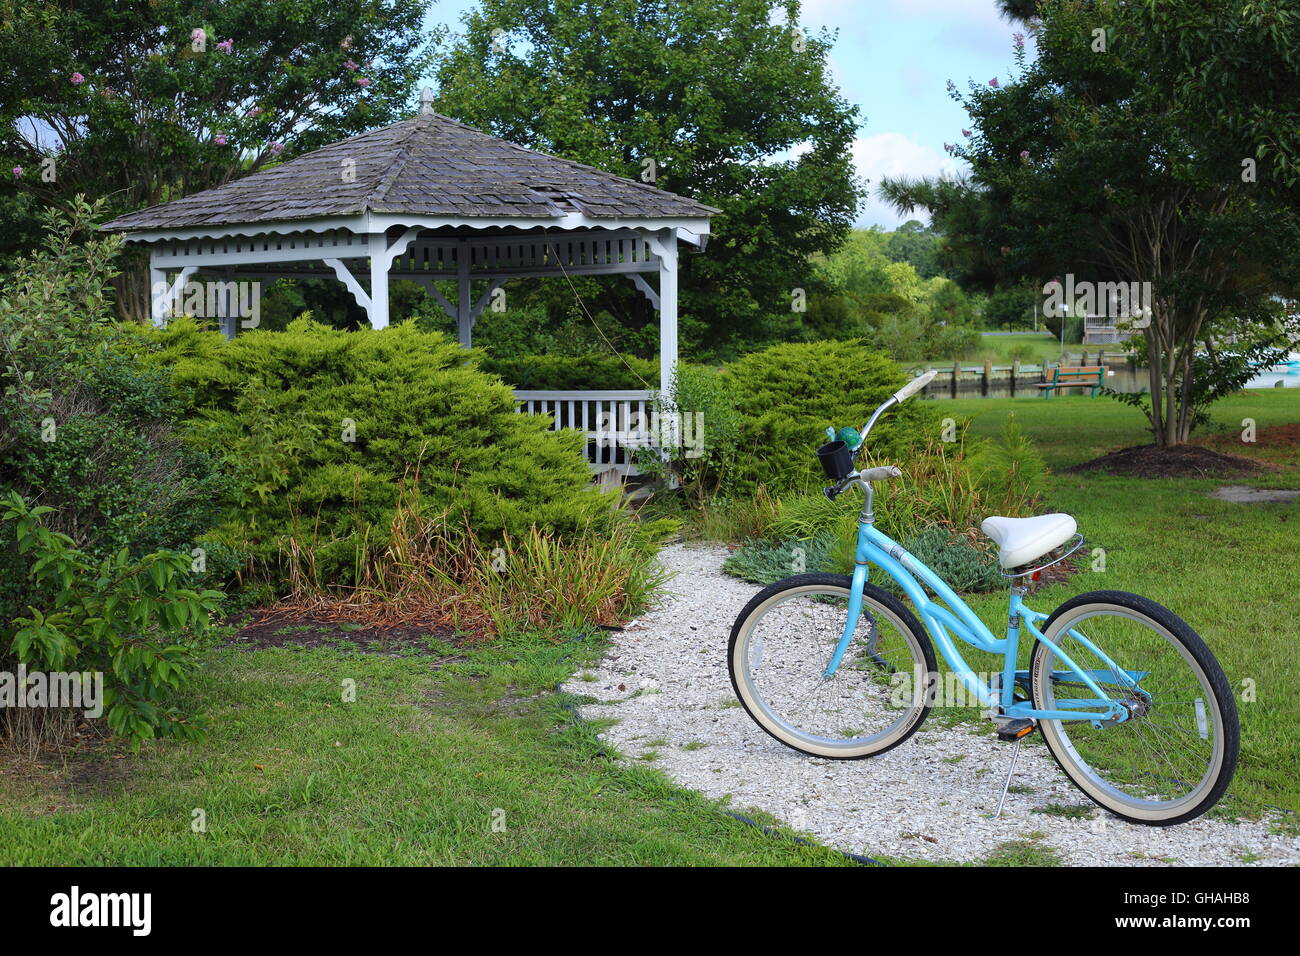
(665, 247)
(464, 307)
(157, 294)
(379, 263)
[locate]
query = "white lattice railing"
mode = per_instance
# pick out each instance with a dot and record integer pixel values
(615, 423)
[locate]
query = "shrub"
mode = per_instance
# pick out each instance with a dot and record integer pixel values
(318, 427)
(94, 584)
(708, 426)
(435, 572)
(598, 371)
(132, 620)
(789, 394)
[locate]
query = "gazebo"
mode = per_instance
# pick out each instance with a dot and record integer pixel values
(431, 199)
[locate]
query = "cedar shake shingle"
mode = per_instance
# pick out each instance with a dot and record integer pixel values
(429, 165)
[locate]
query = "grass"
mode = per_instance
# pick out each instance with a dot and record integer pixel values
(471, 762)
(1032, 348)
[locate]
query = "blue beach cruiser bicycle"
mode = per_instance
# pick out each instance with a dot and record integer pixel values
(1129, 700)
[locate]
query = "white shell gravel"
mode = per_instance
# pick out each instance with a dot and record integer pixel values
(665, 682)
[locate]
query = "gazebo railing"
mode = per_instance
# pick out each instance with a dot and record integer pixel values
(615, 423)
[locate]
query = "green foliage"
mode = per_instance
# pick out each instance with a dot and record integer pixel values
(133, 620)
(789, 394)
(1010, 471)
(877, 295)
(760, 561)
(319, 426)
(704, 415)
(595, 370)
(83, 429)
(615, 84)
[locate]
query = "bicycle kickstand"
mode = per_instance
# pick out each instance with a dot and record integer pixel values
(1016, 730)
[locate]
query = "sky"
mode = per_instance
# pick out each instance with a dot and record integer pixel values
(893, 59)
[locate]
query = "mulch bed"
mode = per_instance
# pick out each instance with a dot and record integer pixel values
(1176, 461)
(278, 628)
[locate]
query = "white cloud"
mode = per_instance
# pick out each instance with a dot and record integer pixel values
(894, 155)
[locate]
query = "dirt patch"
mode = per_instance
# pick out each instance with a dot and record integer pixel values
(1241, 494)
(1177, 461)
(272, 628)
(1273, 436)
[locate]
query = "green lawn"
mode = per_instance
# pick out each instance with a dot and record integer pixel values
(412, 773)
(1032, 348)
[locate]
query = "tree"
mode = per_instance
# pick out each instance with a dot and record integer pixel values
(701, 99)
(1148, 143)
(144, 101)
(914, 243)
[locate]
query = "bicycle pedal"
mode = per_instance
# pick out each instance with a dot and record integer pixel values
(1014, 730)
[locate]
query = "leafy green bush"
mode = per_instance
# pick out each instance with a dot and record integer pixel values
(83, 429)
(595, 371)
(132, 620)
(708, 426)
(789, 394)
(319, 426)
(765, 562)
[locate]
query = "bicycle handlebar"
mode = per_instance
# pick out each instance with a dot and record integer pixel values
(915, 385)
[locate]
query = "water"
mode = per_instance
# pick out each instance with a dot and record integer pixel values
(1122, 378)
(1286, 375)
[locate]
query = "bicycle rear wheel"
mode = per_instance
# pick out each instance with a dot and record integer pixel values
(1173, 757)
(780, 648)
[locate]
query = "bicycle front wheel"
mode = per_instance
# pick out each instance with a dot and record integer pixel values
(783, 643)
(1173, 756)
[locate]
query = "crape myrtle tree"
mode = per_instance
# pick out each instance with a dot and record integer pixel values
(140, 102)
(730, 104)
(1148, 142)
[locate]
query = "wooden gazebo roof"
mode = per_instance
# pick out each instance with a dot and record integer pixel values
(430, 165)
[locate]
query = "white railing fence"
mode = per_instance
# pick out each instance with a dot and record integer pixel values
(615, 423)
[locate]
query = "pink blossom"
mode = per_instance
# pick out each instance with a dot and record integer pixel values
(219, 139)
(78, 79)
(1006, 250)
(276, 147)
(348, 64)
(255, 111)
(18, 172)
(225, 46)
(994, 82)
(198, 34)
(966, 133)
(363, 81)
(1019, 39)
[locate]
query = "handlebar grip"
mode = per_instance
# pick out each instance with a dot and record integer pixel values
(914, 386)
(881, 473)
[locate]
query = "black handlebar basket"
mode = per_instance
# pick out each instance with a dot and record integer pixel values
(836, 459)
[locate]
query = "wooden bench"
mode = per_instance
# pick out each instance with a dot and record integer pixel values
(1074, 376)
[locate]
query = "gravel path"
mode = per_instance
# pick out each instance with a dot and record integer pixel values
(665, 681)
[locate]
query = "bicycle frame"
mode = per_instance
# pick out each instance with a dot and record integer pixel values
(875, 547)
